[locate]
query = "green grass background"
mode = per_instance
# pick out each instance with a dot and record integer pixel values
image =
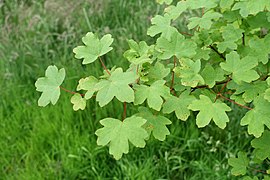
(57, 143)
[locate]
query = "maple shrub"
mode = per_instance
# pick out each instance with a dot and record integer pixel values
(222, 59)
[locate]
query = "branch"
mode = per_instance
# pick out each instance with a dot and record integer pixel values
(214, 49)
(232, 101)
(71, 92)
(105, 68)
(172, 83)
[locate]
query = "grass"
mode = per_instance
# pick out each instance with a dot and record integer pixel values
(57, 143)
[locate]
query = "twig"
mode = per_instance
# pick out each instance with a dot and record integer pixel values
(71, 92)
(172, 83)
(125, 111)
(185, 33)
(214, 49)
(105, 68)
(232, 101)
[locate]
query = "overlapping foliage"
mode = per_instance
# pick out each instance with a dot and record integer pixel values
(223, 59)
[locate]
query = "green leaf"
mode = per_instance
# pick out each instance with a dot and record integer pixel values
(257, 117)
(155, 124)
(226, 4)
(253, 7)
(175, 11)
(209, 110)
(139, 53)
(211, 75)
(88, 84)
(164, 1)
(116, 86)
(239, 164)
(177, 46)
(161, 24)
(93, 48)
(231, 33)
(78, 102)
(208, 4)
(118, 133)
(49, 85)
(249, 178)
(259, 50)
(158, 72)
(189, 72)
(267, 95)
(205, 21)
(223, 46)
(241, 69)
(153, 94)
(262, 146)
(179, 105)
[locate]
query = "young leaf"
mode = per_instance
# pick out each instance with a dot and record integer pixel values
(161, 24)
(153, 94)
(209, 110)
(257, 117)
(202, 4)
(179, 105)
(262, 146)
(259, 49)
(164, 1)
(239, 164)
(157, 72)
(176, 45)
(88, 84)
(241, 69)
(175, 11)
(49, 85)
(138, 53)
(189, 72)
(204, 22)
(116, 86)
(226, 4)
(211, 75)
(118, 133)
(155, 124)
(93, 48)
(78, 102)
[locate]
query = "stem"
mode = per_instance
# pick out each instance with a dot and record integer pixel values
(125, 111)
(224, 86)
(206, 86)
(105, 68)
(214, 49)
(202, 12)
(185, 33)
(243, 39)
(174, 64)
(243, 106)
(71, 92)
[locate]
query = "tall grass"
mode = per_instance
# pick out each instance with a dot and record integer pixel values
(57, 143)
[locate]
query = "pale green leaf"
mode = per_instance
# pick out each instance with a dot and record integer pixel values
(189, 72)
(226, 4)
(175, 11)
(241, 69)
(208, 4)
(116, 86)
(257, 117)
(205, 21)
(155, 124)
(153, 94)
(49, 85)
(93, 48)
(177, 46)
(157, 72)
(262, 146)
(78, 102)
(161, 24)
(259, 48)
(211, 75)
(164, 1)
(88, 84)
(209, 110)
(138, 53)
(179, 105)
(239, 164)
(118, 134)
